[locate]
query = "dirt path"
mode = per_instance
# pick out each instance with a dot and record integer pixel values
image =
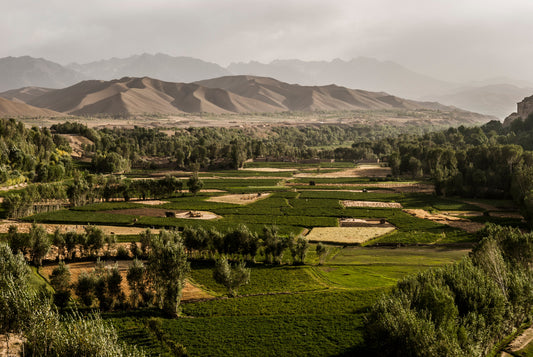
(14, 187)
(524, 339)
(456, 222)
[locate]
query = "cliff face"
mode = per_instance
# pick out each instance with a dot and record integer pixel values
(524, 109)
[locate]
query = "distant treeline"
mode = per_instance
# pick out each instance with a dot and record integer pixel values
(228, 148)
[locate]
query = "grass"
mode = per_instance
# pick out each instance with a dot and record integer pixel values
(264, 279)
(307, 335)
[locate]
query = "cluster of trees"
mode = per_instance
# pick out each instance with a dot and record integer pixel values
(29, 313)
(36, 244)
(34, 198)
(89, 188)
(462, 309)
(160, 282)
(34, 154)
(243, 244)
(491, 161)
(221, 147)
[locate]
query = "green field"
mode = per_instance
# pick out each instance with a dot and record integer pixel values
(316, 309)
(313, 310)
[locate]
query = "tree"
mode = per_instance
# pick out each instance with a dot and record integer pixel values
(85, 288)
(40, 243)
(59, 241)
(321, 251)
(299, 250)
(95, 239)
(15, 297)
(194, 184)
(136, 281)
(113, 281)
(60, 281)
(231, 277)
(168, 268)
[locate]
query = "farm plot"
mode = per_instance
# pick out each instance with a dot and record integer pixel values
(156, 212)
(50, 228)
(371, 204)
(452, 221)
(348, 235)
(359, 171)
(239, 199)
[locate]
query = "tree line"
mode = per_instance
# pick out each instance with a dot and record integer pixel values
(30, 314)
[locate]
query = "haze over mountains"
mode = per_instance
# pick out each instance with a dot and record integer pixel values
(368, 74)
(230, 94)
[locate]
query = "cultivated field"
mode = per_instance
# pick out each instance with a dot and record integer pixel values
(375, 233)
(347, 235)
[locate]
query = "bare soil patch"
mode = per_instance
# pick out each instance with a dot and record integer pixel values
(371, 204)
(452, 221)
(240, 199)
(158, 212)
(267, 169)
(190, 291)
(76, 142)
(15, 345)
(153, 202)
(348, 235)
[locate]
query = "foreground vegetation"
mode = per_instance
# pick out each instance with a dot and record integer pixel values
(265, 289)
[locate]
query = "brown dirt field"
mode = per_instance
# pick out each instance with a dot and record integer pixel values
(267, 169)
(24, 227)
(158, 212)
(456, 222)
(240, 199)
(371, 204)
(463, 213)
(506, 215)
(347, 235)
(153, 202)
(190, 291)
(15, 345)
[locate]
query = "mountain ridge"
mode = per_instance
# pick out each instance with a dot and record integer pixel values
(229, 94)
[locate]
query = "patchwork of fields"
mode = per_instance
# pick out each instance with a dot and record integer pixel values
(315, 309)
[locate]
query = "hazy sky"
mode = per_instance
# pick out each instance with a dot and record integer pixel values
(448, 39)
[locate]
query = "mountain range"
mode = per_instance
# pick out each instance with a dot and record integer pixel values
(229, 94)
(494, 98)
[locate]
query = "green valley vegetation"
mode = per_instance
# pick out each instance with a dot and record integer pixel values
(193, 241)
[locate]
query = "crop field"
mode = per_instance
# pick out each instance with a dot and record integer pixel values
(347, 235)
(307, 310)
(314, 309)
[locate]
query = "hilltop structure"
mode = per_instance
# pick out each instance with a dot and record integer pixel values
(524, 109)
